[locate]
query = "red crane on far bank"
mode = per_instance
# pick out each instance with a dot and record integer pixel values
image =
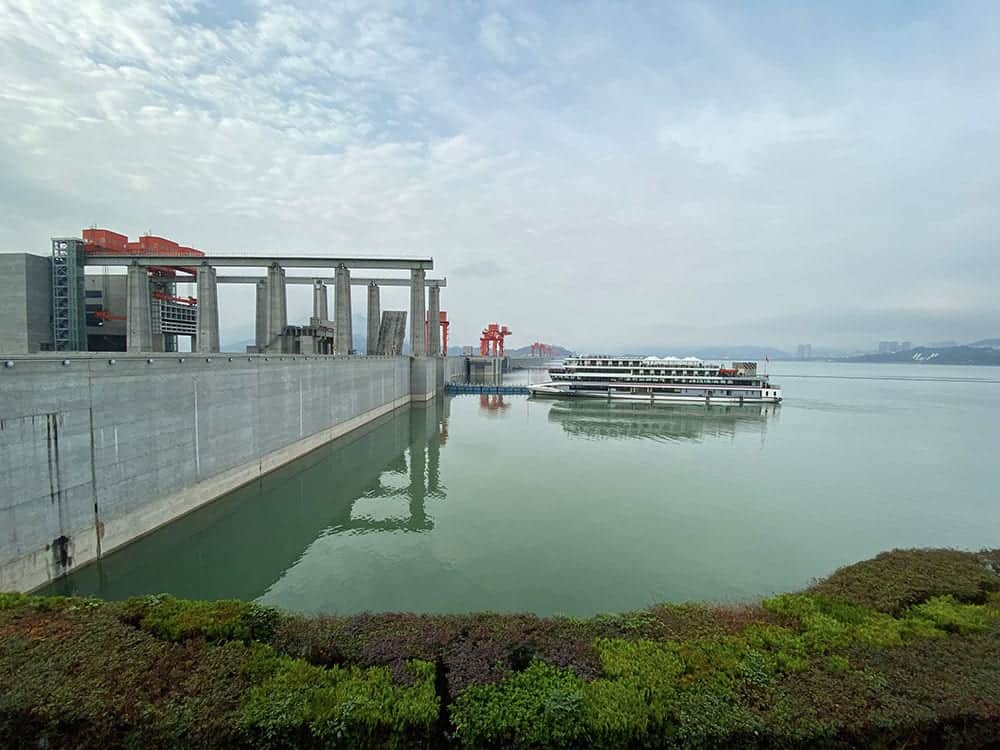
(491, 342)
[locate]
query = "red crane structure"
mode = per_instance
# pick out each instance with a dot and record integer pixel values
(105, 241)
(443, 319)
(491, 342)
(542, 350)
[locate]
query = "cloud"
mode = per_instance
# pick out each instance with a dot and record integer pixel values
(496, 35)
(702, 169)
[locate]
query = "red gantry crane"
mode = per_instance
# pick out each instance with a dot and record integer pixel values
(542, 350)
(107, 242)
(443, 318)
(491, 342)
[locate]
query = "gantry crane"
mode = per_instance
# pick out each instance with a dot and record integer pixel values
(491, 342)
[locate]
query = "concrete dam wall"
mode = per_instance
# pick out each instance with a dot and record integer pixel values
(97, 451)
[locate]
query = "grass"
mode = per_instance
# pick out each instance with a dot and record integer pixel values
(901, 650)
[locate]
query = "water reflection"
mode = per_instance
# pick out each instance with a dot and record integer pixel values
(602, 420)
(493, 403)
(236, 546)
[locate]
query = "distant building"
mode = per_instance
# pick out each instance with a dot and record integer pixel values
(805, 351)
(25, 303)
(466, 351)
(906, 346)
(888, 347)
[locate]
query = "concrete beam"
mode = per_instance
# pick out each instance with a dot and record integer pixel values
(355, 280)
(362, 281)
(262, 261)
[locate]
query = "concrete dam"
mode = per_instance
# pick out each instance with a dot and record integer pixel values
(97, 450)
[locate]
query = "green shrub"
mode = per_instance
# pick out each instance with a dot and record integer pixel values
(15, 600)
(949, 615)
(299, 701)
(540, 707)
(908, 662)
(176, 620)
(12, 600)
(893, 581)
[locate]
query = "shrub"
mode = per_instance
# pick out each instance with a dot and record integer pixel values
(179, 619)
(894, 581)
(907, 663)
(12, 600)
(299, 701)
(947, 614)
(540, 707)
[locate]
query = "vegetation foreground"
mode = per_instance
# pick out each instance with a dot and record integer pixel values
(901, 650)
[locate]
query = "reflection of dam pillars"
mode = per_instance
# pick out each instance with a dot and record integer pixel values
(424, 458)
(434, 449)
(418, 488)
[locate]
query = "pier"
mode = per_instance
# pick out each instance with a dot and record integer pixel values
(484, 388)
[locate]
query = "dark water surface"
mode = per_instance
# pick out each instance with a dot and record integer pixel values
(580, 507)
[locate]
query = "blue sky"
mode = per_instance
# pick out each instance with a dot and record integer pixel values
(605, 176)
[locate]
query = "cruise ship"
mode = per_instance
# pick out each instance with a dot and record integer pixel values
(659, 380)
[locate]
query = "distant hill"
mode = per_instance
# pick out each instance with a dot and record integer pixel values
(986, 344)
(525, 351)
(923, 355)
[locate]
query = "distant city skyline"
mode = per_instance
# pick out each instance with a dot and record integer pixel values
(606, 177)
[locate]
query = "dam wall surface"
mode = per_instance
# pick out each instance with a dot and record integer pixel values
(97, 450)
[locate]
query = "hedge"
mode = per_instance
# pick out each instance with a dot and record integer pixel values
(901, 650)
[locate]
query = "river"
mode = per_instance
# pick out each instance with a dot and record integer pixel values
(517, 504)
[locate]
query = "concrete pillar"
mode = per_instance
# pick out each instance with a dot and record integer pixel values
(434, 321)
(277, 306)
(208, 311)
(139, 315)
(418, 312)
(320, 309)
(260, 338)
(374, 317)
(343, 341)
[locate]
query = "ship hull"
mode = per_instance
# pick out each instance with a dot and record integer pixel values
(555, 390)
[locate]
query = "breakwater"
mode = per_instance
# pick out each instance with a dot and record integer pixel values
(98, 450)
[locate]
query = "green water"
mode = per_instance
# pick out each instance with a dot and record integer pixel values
(583, 507)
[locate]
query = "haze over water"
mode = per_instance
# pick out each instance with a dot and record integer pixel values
(584, 507)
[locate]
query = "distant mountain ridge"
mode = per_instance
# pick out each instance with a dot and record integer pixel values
(923, 355)
(525, 351)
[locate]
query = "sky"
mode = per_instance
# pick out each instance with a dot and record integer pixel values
(607, 176)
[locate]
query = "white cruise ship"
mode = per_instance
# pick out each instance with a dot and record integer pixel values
(652, 379)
